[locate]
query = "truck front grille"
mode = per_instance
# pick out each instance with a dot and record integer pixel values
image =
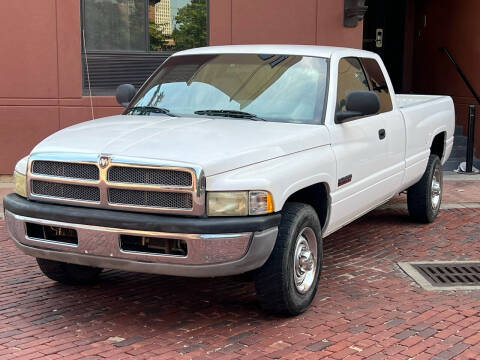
(138, 175)
(65, 191)
(65, 169)
(170, 200)
(122, 184)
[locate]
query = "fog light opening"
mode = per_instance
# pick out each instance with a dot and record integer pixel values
(153, 245)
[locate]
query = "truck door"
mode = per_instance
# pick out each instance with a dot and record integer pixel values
(360, 146)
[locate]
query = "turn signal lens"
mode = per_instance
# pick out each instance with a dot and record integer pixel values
(261, 202)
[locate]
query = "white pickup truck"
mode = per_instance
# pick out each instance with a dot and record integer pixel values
(228, 160)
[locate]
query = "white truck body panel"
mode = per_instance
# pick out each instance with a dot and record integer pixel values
(283, 158)
(224, 145)
(280, 157)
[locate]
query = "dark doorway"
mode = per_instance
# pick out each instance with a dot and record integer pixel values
(384, 34)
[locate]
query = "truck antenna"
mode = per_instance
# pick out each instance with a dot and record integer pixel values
(88, 72)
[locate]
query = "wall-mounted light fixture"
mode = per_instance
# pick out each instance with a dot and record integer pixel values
(354, 12)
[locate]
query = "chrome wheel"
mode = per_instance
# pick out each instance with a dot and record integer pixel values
(305, 260)
(436, 191)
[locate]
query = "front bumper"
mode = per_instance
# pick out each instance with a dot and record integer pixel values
(212, 249)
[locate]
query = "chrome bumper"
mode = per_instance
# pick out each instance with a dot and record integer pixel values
(208, 254)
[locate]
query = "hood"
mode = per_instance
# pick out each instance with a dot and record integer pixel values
(215, 144)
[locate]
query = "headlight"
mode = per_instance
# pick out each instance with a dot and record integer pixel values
(239, 203)
(20, 177)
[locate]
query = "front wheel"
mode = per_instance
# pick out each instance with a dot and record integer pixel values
(287, 282)
(70, 274)
(424, 198)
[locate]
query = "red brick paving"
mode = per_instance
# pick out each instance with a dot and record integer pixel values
(366, 308)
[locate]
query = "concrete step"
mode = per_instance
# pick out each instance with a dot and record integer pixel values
(459, 152)
(452, 163)
(458, 130)
(459, 140)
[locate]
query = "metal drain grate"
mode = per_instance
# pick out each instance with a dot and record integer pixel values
(449, 275)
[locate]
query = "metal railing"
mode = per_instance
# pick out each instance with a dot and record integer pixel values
(471, 113)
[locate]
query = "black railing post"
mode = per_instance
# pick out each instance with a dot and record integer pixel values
(462, 75)
(470, 138)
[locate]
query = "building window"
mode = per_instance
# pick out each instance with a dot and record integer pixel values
(126, 40)
(115, 25)
(177, 24)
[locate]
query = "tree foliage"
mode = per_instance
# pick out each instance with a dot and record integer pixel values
(191, 25)
(157, 38)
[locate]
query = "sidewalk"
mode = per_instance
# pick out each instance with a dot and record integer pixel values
(459, 191)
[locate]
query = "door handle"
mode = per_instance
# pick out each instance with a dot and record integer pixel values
(381, 134)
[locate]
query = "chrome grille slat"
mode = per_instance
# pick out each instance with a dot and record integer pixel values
(121, 183)
(140, 175)
(171, 200)
(66, 169)
(65, 191)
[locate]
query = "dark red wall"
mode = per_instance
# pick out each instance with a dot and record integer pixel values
(41, 76)
(281, 21)
(453, 24)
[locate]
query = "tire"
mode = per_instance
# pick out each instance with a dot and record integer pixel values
(69, 274)
(425, 197)
(276, 281)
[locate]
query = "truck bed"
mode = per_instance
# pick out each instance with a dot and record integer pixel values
(409, 100)
(424, 115)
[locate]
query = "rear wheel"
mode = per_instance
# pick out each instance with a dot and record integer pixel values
(424, 198)
(70, 274)
(287, 282)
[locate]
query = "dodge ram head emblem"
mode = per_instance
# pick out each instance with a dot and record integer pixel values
(103, 161)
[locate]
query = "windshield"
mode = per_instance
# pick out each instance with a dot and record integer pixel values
(267, 87)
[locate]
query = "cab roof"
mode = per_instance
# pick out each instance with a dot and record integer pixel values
(302, 50)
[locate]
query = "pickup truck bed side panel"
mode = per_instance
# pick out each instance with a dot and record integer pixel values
(422, 125)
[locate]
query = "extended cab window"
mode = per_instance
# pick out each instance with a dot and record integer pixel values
(378, 83)
(350, 77)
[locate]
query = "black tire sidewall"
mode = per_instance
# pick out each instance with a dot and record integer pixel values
(296, 301)
(434, 163)
(419, 195)
(70, 274)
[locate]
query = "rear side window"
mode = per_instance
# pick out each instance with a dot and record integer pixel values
(351, 77)
(378, 83)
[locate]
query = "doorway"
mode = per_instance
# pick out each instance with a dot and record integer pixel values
(384, 32)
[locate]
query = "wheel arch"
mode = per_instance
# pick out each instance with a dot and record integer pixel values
(438, 144)
(316, 195)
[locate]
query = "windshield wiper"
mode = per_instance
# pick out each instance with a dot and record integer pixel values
(230, 113)
(144, 110)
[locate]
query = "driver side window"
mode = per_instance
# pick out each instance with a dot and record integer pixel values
(350, 77)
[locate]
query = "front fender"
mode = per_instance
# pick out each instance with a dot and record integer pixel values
(282, 176)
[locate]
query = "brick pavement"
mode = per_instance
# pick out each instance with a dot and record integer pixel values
(365, 307)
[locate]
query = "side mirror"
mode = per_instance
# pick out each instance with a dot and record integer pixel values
(358, 103)
(125, 94)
